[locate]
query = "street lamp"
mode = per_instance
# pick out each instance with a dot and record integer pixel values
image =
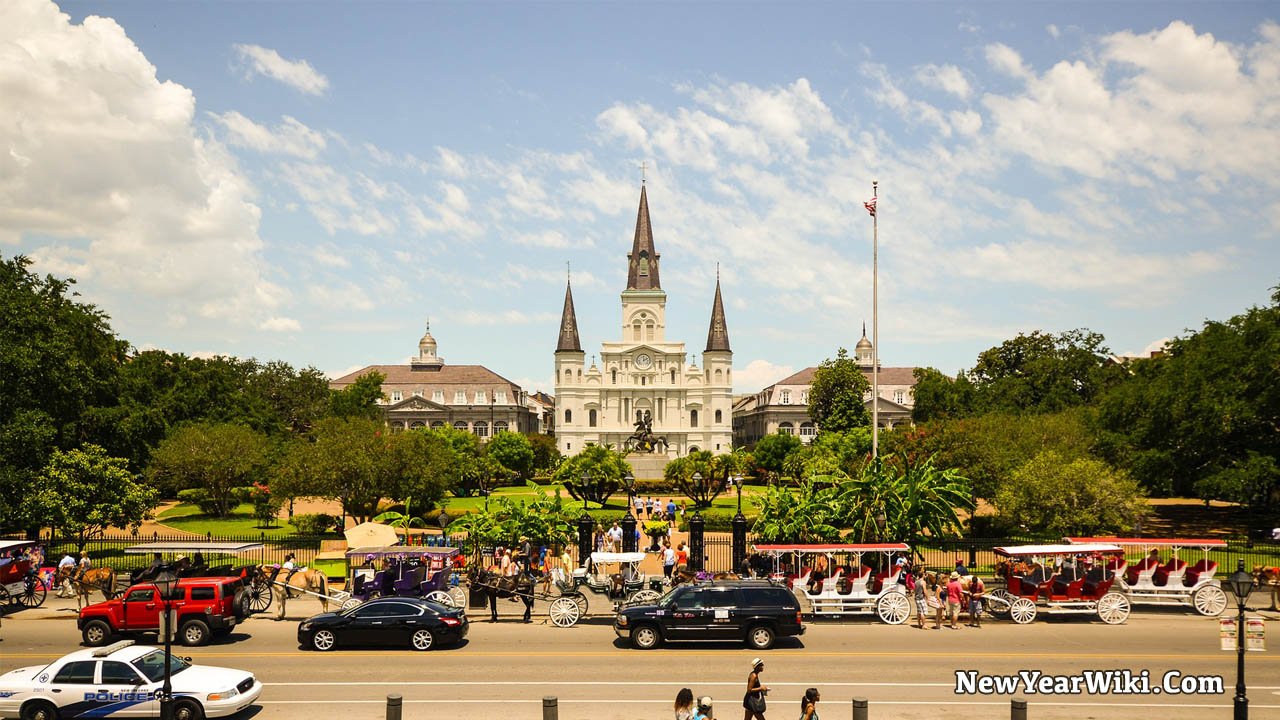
(586, 483)
(629, 482)
(165, 583)
(881, 521)
(1241, 584)
(737, 484)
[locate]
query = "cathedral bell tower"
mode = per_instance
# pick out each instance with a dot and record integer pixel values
(644, 303)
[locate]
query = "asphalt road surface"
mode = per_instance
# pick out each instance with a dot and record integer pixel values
(504, 670)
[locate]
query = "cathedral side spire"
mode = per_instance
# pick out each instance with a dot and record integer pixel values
(642, 262)
(718, 332)
(569, 341)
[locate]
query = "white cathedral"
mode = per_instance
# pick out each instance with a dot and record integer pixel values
(644, 377)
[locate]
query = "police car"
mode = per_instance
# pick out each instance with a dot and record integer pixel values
(123, 680)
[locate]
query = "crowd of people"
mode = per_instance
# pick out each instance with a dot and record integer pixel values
(754, 700)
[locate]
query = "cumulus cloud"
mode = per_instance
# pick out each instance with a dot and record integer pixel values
(947, 78)
(104, 157)
(290, 137)
(280, 324)
(297, 74)
(759, 374)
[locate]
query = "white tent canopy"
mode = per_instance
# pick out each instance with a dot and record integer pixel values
(371, 534)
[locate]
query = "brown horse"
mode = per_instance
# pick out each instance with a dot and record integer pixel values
(1269, 577)
(518, 587)
(301, 582)
(100, 578)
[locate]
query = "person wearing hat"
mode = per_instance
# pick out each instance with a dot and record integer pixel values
(954, 592)
(961, 570)
(702, 710)
(753, 703)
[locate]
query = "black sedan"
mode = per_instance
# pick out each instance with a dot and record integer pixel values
(396, 621)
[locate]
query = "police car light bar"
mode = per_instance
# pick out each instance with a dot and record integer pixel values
(113, 647)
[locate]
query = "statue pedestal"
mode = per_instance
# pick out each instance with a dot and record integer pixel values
(648, 466)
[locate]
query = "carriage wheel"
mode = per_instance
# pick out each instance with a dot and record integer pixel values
(1209, 600)
(441, 597)
(350, 602)
(33, 594)
(259, 596)
(564, 612)
(578, 599)
(1001, 600)
(1022, 610)
(643, 596)
(4, 599)
(458, 596)
(1113, 608)
(893, 608)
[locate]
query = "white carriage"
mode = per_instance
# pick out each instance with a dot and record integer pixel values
(1063, 579)
(1150, 581)
(851, 588)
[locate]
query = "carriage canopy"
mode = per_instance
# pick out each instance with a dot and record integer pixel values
(1037, 550)
(230, 548)
(1205, 543)
(9, 545)
(858, 548)
(393, 551)
(615, 557)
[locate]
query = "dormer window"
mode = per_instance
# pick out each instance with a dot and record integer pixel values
(784, 397)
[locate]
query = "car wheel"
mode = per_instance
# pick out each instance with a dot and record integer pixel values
(194, 633)
(646, 637)
(187, 710)
(760, 637)
(38, 710)
(422, 639)
(96, 633)
(324, 640)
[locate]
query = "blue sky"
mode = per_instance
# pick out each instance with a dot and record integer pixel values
(309, 182)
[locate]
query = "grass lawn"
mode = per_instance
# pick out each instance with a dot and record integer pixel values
(727, 502)
(187, 517)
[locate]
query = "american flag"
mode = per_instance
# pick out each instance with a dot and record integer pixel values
(870, 205)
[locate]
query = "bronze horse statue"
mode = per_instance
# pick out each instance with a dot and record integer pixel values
(643, 439)
(516, 587)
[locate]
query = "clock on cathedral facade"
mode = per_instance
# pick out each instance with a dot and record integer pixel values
(644, 375)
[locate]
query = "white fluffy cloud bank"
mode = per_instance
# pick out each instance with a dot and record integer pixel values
(106, 178)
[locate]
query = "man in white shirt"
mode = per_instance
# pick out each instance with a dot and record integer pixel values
(615, 536)
(66, 569)
(668, 559)
(638, 504)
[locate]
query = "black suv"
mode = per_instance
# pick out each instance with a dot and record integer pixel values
(756, 611)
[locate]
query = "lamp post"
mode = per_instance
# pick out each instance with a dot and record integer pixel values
(586, 483)
(629, 482)
(881, 521)
(737, 484)
(165, 583)
(443, 521)
(1241, 584)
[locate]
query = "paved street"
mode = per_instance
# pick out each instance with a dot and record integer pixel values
(504, 670)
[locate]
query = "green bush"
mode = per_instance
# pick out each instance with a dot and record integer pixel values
(200, 498)
(313, 523)
(242, 494)
(714, 520)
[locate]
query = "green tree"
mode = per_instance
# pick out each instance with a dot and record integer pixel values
(84, 491)
(1041, 372)
(836, 396)
(834, 454)
(59, 359)
(938, 396)
(604, 469)
(512, 451)
(1060, 496)
(546, 454)
(351, 460)
(771, 451)
(214, 458)
(713, 473)
(807, 513)
(360, 398)
(424, 466)
(544, 520)
(915, 498)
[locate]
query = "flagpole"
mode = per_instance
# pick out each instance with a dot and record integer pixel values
(875, 324)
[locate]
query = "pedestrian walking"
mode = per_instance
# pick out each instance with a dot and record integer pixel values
(648, 506)
(753, 702)
(682, 557)
(638, 505)
(918, 593)
(684, 704)
(954, 593)
(809, 704)
(975, 591)
(668, 560)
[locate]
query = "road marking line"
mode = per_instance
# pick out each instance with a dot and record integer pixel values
(665, 703)
(689, 654)
(662, 683)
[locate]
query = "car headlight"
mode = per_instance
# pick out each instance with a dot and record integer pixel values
(223, 695)
(622, 621)
(305, 626)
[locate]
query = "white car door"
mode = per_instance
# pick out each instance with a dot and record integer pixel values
(72, 688)
(130, 695)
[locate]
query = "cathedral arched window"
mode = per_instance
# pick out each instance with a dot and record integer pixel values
(719, 375)
(635, 331)
(568, 375)
(591, 418)
(568, 416)
(693, 418)
(719, 417)
(579, 374)
(673, 376)
(648, 331)
(614, 374)
(499, 426)
(643, 379)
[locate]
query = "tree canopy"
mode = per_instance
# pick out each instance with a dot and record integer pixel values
(1061, 496)
(837, 396)
(84, 491)
(603, 469)
(213, 457)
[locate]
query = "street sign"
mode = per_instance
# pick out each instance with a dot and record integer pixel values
(1255, 634)
(1227, 633)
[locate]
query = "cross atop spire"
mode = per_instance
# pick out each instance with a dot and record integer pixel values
(642, 262)
(643, 167)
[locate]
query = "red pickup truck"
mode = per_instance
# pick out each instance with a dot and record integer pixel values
(204, 606)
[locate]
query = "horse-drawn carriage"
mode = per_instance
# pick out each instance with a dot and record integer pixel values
(614, 575)
(1063, 579)
(835, 588)
(19, 582)
(404, 571)
(1152, 582)
(193, 563)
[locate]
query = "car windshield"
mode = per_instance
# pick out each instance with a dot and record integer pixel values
(152, 665)
(671, 595)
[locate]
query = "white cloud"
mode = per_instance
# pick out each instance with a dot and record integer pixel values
(343, 297)
(102, 153)
(337, 202)
(759, 374)
(290, 137)
(328, 255)
(280, 324)
(947, 78)
(549, 239)
(297, 74)
(1053, 31)
(506, 317)
(1006, 60)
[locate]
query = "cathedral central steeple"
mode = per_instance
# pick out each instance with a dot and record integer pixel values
(642, 261)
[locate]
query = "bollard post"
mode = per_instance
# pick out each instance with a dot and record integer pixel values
(860, 709)
(1017, 709)
(395, 703)
(550, 708)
